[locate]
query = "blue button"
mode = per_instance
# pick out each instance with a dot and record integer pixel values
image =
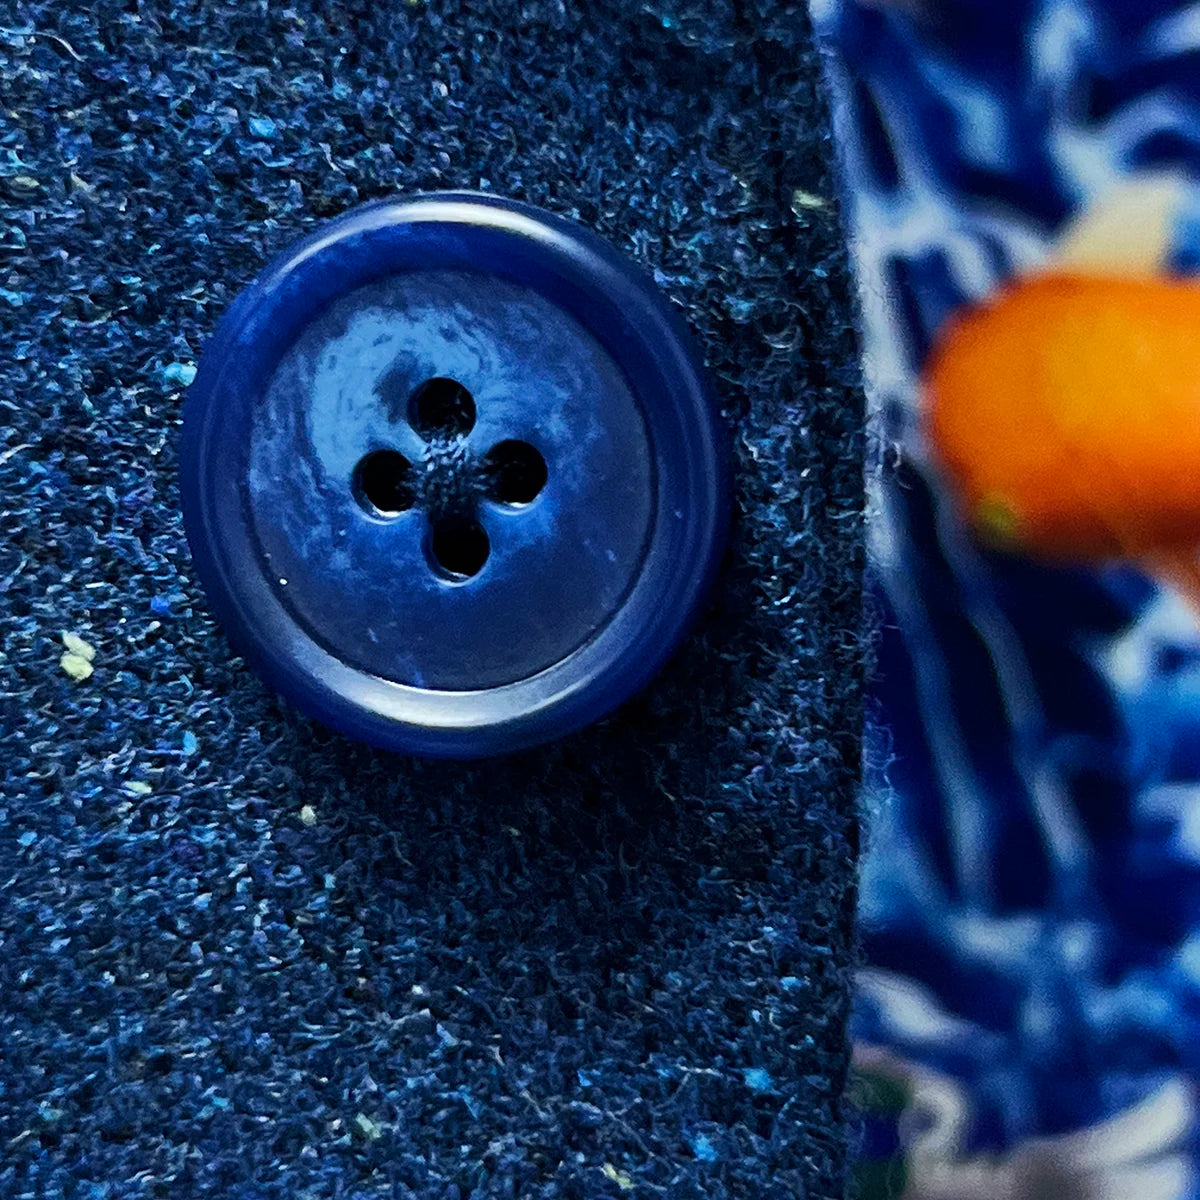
(452, 476)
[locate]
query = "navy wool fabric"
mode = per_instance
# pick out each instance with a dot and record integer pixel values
(242, 957)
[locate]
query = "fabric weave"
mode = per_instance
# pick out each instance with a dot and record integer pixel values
(241, 957)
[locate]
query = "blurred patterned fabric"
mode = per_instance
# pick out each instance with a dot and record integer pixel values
(1028, 1014)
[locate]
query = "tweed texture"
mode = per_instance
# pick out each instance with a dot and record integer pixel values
(242, 957)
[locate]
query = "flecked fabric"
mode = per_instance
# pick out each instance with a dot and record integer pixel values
(242, 957)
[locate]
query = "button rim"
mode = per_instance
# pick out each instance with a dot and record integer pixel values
(625, 308)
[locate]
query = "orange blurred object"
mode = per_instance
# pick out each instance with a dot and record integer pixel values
(1066, 413)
